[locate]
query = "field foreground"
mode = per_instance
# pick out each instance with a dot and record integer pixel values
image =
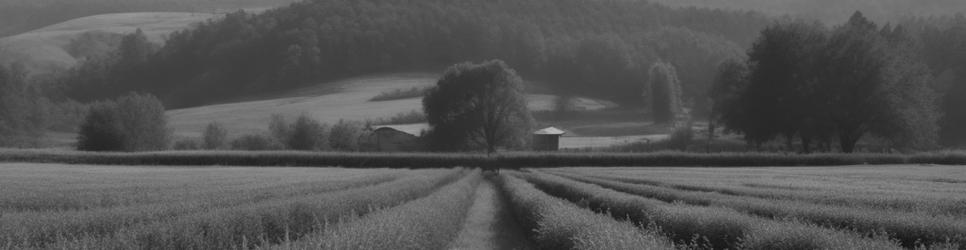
(53, 206)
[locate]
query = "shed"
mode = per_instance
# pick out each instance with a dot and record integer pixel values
(393, 138)
(547, 139)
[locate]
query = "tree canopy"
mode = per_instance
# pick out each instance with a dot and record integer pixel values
(478, 106)
(809, 83)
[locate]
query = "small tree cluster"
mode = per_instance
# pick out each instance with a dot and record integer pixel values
(803, 81)
(133, 122)
(215, 136)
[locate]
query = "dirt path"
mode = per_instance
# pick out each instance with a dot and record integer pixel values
(490, 225)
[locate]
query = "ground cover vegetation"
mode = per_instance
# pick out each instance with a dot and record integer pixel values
(910, 228)
(705, 227)
(560, 208)
(240, 219)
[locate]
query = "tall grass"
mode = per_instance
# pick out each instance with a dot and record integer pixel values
(431, 222)
(504, 160)
(910, 229)
(246, 224)
(558, 224)
(706, 227)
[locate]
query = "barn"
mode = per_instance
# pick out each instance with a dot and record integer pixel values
(547, 139)
(393, 138)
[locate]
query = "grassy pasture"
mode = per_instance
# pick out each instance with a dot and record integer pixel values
(53, 206)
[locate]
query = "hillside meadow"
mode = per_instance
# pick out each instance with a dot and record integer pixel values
(56, 206)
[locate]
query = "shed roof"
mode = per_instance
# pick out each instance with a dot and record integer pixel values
(412, 129)
(549, 131)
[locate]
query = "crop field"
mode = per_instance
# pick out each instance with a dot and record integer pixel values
(55, 206)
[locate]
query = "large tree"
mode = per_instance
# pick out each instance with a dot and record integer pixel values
(872, 86)
(478, 106)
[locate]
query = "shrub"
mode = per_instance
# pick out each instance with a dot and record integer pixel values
(344, 136)
(279, 128)
(402, 118)
(681, 138)
(255, 142)
(134, 122)
(144, 122)
(399, 94)
(215, 136)
(101, 130)
(307, 134)
(186, 144)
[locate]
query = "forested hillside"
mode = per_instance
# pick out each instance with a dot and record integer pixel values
(18, 16)
(833, 11)
(597, 48)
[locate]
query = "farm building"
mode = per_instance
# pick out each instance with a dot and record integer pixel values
(393, 138)
(547, 139)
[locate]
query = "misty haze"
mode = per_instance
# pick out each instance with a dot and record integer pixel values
(483, 124)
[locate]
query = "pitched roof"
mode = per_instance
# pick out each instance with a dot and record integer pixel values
(549, 131)
(412, 129)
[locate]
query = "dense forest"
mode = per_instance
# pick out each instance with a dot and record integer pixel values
(833, 11)
(18, 16)
(597, 48)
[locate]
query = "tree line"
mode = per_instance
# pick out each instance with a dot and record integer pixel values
(597, 48)
(806, 83)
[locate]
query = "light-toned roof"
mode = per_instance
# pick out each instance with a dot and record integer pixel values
(413, 129)
(549, 131)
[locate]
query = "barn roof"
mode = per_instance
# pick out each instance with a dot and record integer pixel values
(549, 131)
(412, 129)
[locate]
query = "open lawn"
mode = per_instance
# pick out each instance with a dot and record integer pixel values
(53, 206)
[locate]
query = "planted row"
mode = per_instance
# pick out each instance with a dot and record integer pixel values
(706, 227)
(910, 229)
(267, 222)
(557, 224)
(892, 201)
(430, 222)
(39, 228)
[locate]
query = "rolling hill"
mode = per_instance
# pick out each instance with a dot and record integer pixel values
(44, 50)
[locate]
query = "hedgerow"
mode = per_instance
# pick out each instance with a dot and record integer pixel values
(558, 224)
(438, 160)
